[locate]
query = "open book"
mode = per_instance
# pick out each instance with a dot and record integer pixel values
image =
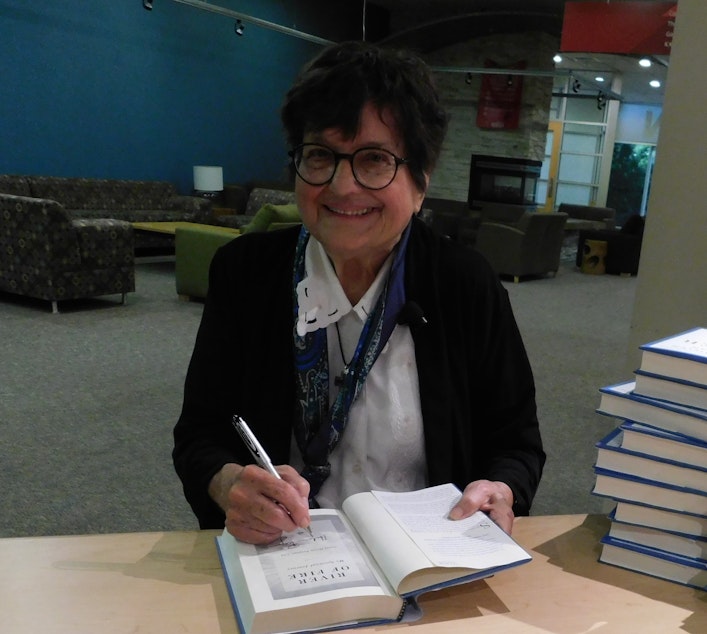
(364, 565)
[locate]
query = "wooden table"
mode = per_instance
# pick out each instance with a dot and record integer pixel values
(170, 227)
(172, 582)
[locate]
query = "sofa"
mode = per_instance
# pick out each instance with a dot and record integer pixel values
(127, 200)
(581, 217)
(530, 246)
(47, 254)
(247, 200)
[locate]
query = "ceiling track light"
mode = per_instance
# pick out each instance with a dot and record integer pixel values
(468, 79)
(601, 101)
(576, 85)
(250, 19)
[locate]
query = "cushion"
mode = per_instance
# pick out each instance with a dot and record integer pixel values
(261, 196)
(269, 214)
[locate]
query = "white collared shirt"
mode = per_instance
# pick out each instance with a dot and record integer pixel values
(383, 444)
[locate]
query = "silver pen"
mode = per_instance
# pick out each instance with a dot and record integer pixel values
(259, 454)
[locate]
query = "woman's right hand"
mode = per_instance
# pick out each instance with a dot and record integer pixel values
(258, 506)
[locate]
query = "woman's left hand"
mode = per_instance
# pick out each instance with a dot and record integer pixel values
(494, 498)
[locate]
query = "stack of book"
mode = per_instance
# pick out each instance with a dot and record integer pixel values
(654, 464)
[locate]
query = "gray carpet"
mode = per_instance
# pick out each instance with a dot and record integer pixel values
(88, 399)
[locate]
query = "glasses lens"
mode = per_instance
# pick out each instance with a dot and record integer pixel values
(374, 168)
(315, 164)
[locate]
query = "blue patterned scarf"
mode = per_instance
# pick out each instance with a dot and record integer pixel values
(318, 428)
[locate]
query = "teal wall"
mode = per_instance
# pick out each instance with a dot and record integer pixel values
(107, 89)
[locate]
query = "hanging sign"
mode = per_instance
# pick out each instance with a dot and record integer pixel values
(629, 27)
(500, 99)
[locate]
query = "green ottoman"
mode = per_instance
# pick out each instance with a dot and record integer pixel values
(194, 247)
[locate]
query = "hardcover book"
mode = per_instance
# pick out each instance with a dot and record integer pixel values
(613, 456)
(662, 519)
(363, 565)
(668, 541)
(621, 486)
(656, 563)
(672, 390)
(681, 356)
(663, 444)
(620, 401)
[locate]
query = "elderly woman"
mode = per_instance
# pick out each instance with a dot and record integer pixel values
(364, 351)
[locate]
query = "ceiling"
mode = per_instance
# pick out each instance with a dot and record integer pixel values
(427, 25)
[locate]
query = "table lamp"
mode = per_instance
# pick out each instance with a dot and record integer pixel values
(208, 181)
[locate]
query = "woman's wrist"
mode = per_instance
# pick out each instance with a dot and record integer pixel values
(222, 482)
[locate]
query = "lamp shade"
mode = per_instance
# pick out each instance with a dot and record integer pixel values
(208, 178)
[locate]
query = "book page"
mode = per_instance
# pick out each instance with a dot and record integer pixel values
(394, 550)
(307, 582)
(474, 542)
(299, 565)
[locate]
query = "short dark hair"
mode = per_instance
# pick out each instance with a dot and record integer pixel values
(332, 89)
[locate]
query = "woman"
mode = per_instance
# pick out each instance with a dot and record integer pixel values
(364, 351)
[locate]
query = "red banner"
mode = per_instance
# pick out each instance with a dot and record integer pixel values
(500, 99)
(641, 28)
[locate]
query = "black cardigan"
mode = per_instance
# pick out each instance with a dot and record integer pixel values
(476, 386)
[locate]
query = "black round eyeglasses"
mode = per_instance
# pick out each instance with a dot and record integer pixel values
(372, 167)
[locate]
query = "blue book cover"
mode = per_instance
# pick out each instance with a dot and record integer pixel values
(663, 519)
(663, 444)
(688, 571)
(630, 488)
(682, 356)
(671, 389)
(620, 401)
(690, 345)
(611, 455)
(695, 538)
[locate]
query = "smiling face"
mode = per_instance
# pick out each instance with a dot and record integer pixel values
(355, 224)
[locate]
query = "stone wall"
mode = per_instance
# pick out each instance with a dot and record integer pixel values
(451, 179)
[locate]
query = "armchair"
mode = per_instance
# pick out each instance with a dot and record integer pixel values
(451, 218)
(46, 255)
(531, 246)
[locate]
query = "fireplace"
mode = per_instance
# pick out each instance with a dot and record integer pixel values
(502, 180)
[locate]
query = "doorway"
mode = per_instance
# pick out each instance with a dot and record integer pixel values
(546, 188)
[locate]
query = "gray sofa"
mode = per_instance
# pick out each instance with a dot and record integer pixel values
(588, 217)
(46, 254)
(127, 200)
(247, 200)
